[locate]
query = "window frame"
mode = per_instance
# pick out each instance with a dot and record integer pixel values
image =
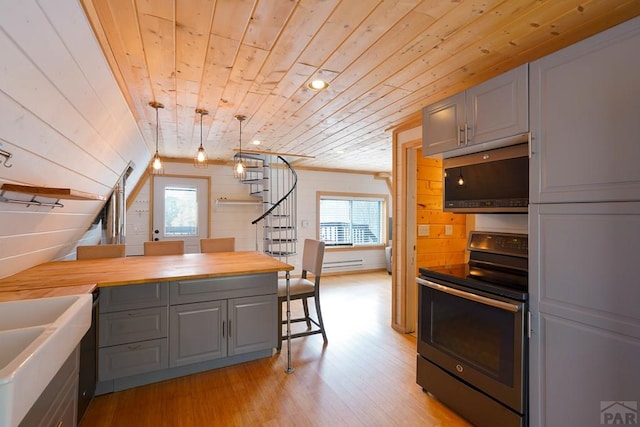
(384, 216)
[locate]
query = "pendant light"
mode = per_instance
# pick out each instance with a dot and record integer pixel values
(200, 159)
(239, 168)
(156, 164)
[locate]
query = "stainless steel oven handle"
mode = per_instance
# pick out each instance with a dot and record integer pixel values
(468, 295)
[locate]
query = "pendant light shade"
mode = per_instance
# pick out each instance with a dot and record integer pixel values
(239, 167)
(200, 160)
(156, 164)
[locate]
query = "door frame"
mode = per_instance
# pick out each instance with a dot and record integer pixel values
(406, 142)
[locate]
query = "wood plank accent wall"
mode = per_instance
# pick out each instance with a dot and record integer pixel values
(437, 248)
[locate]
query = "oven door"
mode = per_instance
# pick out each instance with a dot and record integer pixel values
(475, 336)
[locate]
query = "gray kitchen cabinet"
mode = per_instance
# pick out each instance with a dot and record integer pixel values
(494, 111)
(157, 331)
(585, 107)
(585, 345)
(253, 321)
(133, 297)
(133, 325)
(214, 328)
(584, 232)
(57, 405)
(136, 358)
(133, 330)
(199, 332)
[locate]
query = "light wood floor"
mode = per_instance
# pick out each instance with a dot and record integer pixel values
(365, 376)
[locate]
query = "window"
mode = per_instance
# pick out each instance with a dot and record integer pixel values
(180, 211)
(352, 220)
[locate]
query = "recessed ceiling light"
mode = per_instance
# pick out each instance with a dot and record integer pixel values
(318, 84)
(256, 142)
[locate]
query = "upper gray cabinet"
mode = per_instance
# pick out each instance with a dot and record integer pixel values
(495, 110)
(585, 111)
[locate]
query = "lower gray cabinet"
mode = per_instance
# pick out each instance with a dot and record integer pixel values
(133, 330)
(156, 331)
(214, 329)
(252, 324)
(57, 404)
(132, 359)
(198, 332)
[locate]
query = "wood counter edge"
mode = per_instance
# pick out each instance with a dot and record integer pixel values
(103, 284)
(25, 294)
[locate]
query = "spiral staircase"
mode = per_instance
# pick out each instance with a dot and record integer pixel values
(273, 180)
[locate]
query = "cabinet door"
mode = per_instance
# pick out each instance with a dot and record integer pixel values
(584, 120)
(443, 124)
(585, 343)
(57, 404)
(198, 332)
(252, 324)
(498, 108)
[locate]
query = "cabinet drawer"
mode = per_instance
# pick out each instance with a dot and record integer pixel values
(132, 359)
(128, 297)
(131, 326)
(186, 291)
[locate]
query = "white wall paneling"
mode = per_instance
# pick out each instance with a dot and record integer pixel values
(235, 219)
(65, 121)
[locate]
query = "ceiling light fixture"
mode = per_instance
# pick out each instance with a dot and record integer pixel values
(318, 85)
(239, 168)
(200, 159)
(156, 164)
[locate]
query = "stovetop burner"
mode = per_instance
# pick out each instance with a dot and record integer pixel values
(497, 265)
(496, 283)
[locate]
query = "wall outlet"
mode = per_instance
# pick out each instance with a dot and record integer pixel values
(423, 230)
(448, 230)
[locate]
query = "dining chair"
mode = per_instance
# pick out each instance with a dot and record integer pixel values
(220, 244)
(100, 251)
(302, 289)
(164, 247)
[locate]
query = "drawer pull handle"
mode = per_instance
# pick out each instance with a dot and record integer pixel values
(133, 347)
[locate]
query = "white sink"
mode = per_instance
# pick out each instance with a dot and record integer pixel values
(36, 337)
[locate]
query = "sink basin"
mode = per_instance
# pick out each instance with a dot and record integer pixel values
(36, 337)
(34, 312)
(16, 341)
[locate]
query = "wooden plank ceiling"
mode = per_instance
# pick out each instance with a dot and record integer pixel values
(384, 61)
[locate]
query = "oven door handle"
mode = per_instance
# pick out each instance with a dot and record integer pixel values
(468, 295)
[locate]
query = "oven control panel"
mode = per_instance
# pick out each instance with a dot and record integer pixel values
(500, 243)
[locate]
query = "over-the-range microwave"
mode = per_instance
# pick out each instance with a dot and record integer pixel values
(488, 181)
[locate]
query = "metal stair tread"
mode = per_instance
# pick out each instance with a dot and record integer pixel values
(280, 253)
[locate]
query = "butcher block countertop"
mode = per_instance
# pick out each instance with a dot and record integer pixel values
(73, 277)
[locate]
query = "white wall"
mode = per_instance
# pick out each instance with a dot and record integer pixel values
(66, 123)
(235, 220)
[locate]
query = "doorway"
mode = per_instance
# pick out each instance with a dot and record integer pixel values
(180, 210)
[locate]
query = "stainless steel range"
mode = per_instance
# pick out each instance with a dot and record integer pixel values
(472, 331)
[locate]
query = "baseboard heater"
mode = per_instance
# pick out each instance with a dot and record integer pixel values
(343, 263)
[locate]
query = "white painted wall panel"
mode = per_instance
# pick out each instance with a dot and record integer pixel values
(235, 220)
(65, 121)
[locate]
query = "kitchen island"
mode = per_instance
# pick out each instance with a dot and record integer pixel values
(166, 316)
